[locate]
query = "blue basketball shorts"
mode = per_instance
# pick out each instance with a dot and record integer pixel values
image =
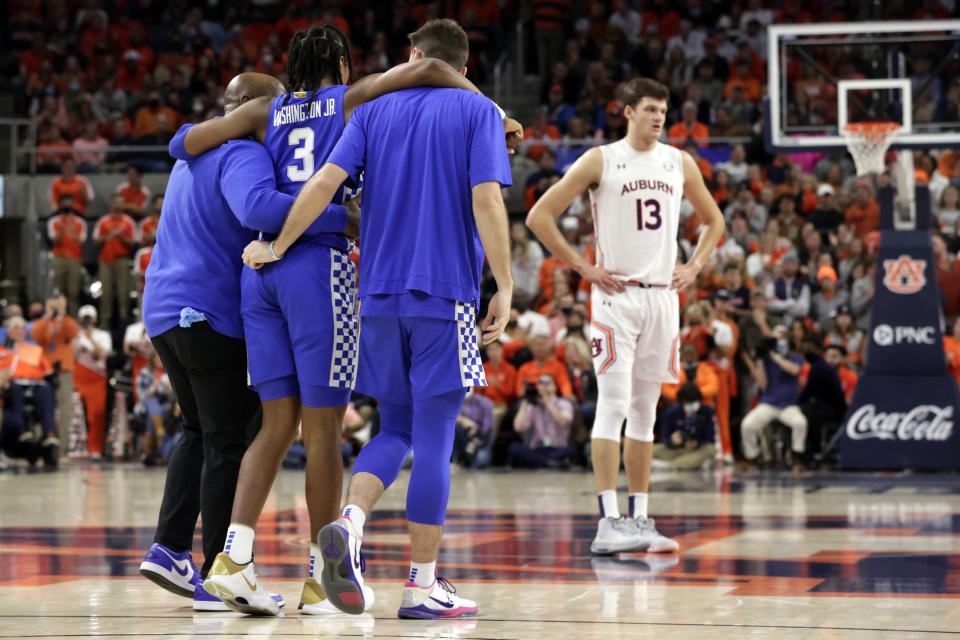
(301, 326)
(403, 359)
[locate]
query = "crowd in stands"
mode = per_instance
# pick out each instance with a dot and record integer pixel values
(773, 331)
(95, 73)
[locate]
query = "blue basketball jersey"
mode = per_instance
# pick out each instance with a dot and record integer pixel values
(302, 130)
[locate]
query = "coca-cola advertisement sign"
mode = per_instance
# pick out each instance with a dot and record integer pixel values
(924, 422)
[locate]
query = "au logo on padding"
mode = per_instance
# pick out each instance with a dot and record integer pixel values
(904, 275)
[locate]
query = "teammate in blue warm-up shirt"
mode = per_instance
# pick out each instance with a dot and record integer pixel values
(191, 310)
(434, 161)
(300, 314)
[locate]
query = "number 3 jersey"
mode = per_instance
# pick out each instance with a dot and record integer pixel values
(636, 211)
(302, 130)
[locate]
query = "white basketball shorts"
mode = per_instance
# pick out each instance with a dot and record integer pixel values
(636, 332)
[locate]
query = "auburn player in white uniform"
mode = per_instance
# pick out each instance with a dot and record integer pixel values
(636, 185)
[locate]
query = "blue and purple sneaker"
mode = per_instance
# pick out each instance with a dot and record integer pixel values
(439, 600)
(171, 570)
(343, 566)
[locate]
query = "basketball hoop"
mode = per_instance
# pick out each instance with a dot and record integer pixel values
(868, 142)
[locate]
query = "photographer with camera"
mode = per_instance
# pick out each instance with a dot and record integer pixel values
(776, 370)
(67, 231)
(687, 433)
(543, 421)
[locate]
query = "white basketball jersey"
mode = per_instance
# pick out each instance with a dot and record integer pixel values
(636, 211)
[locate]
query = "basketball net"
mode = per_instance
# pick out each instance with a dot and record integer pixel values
(868, 142)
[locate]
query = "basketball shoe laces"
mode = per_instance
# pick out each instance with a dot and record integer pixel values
(446, 584)
(646, 525)
(621, 524)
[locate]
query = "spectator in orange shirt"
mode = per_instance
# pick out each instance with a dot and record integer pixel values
(135, 194)
(116, 235)
(32, 58)
(692, 370)
(146, 121)
(55, 332)
(864, 213)
(549, 269)
(690, 146)
(69, 183)
(688, 127)
(130, 75)
(540, 129)
(50, 151)
(67, 232)
(951, 348)
(501, 381)
(91, 349)
(21, 365)
(147, 229)
(742, 77)
(544, 361)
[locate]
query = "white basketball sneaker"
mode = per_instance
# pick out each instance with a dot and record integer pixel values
(343, 566)
(439, 600)
(615, 535)
(237, 585)
(650, 539)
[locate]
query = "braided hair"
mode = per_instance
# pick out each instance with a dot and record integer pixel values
(314, 54)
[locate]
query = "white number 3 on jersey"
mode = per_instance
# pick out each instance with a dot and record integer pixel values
(302, 138)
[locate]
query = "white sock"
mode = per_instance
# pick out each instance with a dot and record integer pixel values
(315, 561)
(239, 545)
(355, 514)
(608, 504)
(638, 505)
(423, 573)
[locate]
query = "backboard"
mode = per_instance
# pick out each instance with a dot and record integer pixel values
(821, 76)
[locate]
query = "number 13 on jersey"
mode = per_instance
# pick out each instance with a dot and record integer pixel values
(653, 214)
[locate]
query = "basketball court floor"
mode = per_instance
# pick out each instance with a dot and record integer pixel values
(762, 555)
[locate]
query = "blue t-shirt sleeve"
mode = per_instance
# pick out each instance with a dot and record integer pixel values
(487, 158)
(249, 186)
(350, 152)
(176, 148)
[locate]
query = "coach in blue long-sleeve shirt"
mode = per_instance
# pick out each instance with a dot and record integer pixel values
(213, 207)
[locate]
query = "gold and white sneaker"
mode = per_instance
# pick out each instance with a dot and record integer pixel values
(238, 586)
(314, 602)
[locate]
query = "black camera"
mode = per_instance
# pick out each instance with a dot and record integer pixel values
(531, 394)
(767, 345)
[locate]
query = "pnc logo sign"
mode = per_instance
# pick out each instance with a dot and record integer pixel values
(904, 275)
(885, 335)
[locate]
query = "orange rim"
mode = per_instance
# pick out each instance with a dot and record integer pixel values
(873, 132)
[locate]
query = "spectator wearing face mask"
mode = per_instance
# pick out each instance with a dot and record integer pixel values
(696, 372)
(688, 433)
